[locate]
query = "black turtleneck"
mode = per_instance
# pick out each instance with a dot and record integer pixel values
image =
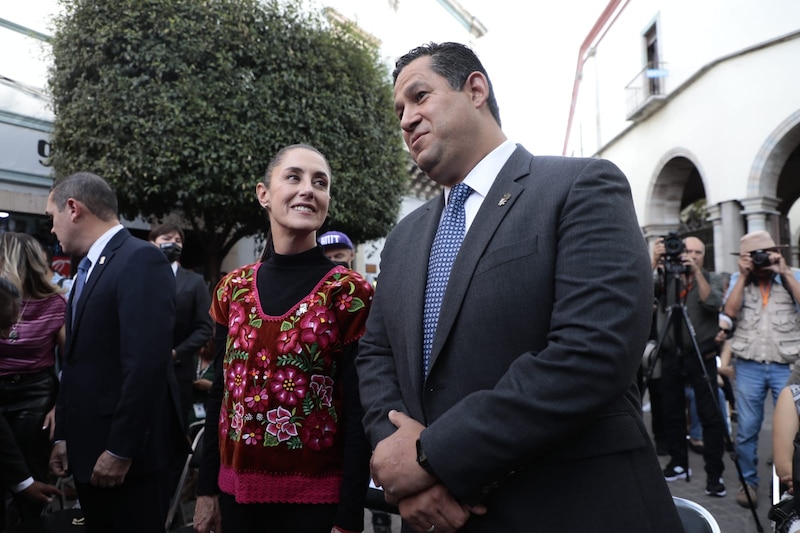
(283, 280)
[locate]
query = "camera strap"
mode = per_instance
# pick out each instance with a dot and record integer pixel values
(687, 288)
(765, 290)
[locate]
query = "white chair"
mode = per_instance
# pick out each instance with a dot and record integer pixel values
(694, 517)
(192, 461)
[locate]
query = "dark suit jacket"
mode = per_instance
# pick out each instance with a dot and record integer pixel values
(193, 324)
(530, 403)
(118, 389)
(13, 469)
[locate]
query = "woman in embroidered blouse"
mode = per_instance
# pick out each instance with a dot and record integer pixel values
(28, 382)
(286, 451)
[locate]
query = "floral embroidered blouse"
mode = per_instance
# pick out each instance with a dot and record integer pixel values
(280, 425)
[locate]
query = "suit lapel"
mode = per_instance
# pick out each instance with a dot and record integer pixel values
(500, 200)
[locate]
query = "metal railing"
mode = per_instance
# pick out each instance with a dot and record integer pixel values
(646, 85)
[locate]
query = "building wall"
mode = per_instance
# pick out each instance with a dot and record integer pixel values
(729, 110)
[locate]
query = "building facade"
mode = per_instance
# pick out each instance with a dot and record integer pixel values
(697, 103)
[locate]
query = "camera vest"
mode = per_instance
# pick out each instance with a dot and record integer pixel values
(768, 329)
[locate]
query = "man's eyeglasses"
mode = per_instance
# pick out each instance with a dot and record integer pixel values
(726, 331)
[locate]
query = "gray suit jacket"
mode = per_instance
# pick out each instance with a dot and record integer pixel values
(530, 402)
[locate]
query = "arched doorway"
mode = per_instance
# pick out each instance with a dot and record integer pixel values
(677, 202)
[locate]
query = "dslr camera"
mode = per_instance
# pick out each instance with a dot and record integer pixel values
(760, 259)
(674, 248)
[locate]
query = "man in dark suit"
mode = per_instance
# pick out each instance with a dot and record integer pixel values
(526, 416)
(117, 422)
(193, 324)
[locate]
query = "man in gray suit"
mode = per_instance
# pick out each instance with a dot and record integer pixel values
(520, 411)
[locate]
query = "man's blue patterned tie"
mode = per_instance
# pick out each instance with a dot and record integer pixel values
(443, 252)
(80, 280)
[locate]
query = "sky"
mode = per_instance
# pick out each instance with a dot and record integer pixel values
(530, 52)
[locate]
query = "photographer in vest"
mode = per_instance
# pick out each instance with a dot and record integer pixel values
(762, 298)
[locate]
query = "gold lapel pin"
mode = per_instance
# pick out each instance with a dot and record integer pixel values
(504, 200)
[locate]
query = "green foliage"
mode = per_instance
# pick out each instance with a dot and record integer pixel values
(180, 104)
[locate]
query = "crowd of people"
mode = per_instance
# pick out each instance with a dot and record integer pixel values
(745, 330)
(491, 372)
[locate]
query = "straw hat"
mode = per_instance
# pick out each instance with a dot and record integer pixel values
(757, 240)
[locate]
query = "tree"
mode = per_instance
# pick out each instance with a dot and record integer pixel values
(180, 104)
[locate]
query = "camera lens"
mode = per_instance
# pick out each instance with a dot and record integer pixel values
(760, 258)
(673, 244)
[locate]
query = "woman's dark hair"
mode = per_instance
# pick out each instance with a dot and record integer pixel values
(164, 229)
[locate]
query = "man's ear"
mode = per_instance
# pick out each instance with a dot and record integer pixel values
(478, 86)
(75, 209)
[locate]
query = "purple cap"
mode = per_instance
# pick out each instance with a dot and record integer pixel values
(335, 238)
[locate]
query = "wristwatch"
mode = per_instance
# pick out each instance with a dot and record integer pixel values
(422, 459)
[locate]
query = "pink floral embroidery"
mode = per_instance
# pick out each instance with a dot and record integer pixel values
(317, 326)
(236, 318)
(252, 436)
(280, 424)
(256, 399)
(280, 385)
(318, 430)
(238, 417)
(237, 373)
(288, 341)
(262, 358)
(323, 388)
(289, 386)
(246, 335)
(344, 301)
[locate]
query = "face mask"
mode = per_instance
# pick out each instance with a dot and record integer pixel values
(172, 250)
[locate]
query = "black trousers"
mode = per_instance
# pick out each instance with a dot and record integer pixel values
(676, 372)
(138, 505)
(25, 400)
(275, 517)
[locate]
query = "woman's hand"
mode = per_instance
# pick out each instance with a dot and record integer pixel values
(50, 422)
(206, 515)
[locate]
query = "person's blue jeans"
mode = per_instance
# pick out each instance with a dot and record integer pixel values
(753, 380)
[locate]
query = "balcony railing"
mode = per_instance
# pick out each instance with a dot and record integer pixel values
(645, 93)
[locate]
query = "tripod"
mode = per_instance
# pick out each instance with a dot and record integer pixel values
(677, 317)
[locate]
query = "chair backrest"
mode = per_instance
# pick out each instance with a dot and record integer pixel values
(694, 517)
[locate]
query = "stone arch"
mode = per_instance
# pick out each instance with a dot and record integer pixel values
(676, 181)
(675, 190)
(772, 156)
(774, 177)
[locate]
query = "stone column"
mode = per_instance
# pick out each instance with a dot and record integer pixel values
(762, 215)
(728, 225)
